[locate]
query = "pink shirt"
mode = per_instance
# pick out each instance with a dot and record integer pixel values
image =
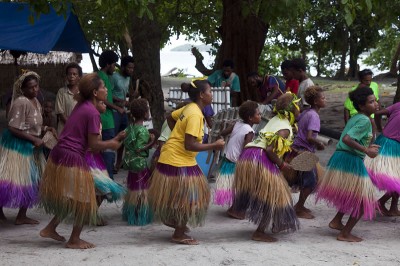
(392, 128)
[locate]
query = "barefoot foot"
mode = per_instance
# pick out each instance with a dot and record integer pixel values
(184, 240)
(237, 215)
(263, 237)
(52, 234)
(348, 238)
(336, 225)
(382, 209)
(304, 214)
(80, 244)
(393, 213)
(25, 220)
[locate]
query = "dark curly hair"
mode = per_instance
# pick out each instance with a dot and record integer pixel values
(139, 108)
(107, 58)
(299, 64)
(311, 94)
(74, 65)
(247, 110)
(359, 96)
(194, 91)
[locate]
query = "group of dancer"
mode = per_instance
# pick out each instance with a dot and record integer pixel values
(74, 181)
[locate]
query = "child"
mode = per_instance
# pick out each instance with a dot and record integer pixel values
(384, 169)
(241, 134)
(67, 187)
(49, 120)
(105, 187)
(346, 184)
(259, 187)
(178, 191)
(308, 128)
(65, 99)
(292, 84)
(137, 143)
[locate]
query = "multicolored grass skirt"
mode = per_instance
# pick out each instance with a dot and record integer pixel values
(223, 192)
(384, 169)
(21, 168)
(136, 209)
(347, 186)
(103, 184)
(261, 190)
(67, 189)
(179, 195)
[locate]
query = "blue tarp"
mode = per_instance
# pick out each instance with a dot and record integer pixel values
(50, 32)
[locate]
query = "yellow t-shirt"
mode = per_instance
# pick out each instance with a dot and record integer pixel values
(189, 120)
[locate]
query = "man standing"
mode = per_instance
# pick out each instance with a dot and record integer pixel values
(121, 86)
(299, 68)
(107, 61)
(227, 78)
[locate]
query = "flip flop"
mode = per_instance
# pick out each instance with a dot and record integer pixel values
(186, 241)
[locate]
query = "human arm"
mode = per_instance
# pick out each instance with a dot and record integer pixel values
(149, 144)
(371, 150)
(284, 133)
(346, 115)
(248, 138)
(120, 110)
(310, 138)
(228, 130)
(273, 95)
(97, 144)
(37, 142)
(191, 144)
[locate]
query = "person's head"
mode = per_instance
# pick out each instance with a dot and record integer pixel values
(227, 68)
(286, 68)
(315, 97)
(299, 68)
(286, 104)
(199, 91)
(48, 106)
(249, 112)
(73, 72)
(91, 86)
(27, 85)
(364, 100)
(253, 79)
(107, 61)
(140, 109)
(127, 66)
(365, 76)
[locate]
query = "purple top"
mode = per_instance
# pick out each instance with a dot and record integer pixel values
(392, 128)
(308, 120)
(84, 120)
(268, 85)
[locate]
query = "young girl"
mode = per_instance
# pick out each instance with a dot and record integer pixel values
(308, 128)
(241, 134)
(105, 187)
(259, 187)
(178, 191)
(137, 143)
(346, 184)
(67, 188)
(21, 158)
(384, 169)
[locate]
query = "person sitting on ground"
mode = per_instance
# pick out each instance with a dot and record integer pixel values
(270, 87)
(292, 84)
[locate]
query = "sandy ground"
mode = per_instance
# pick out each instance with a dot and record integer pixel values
(224, 241)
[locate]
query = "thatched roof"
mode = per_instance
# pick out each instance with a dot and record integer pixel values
(40, 59)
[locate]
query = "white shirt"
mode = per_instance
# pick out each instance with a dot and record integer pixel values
(236, 141)
(302, 88)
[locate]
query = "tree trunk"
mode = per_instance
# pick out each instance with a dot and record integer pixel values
(146, 39)
(395, 59)
(319, 59)
(397, 96)
(352, 57)
(342, 71)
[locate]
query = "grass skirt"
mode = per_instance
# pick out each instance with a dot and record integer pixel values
(104, 185)
(223, 192)
(67, 188)
(179, 195)
(21, 168)
(347, 186)
(262, 191)
(136, 209)
(384, 169)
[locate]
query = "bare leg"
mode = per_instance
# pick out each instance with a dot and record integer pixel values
(23, 219)
(118, 163)
(100, 220)
(172, 224)
(3, 218)
(301, 211)
(75, 242)
(394, 210)
(50, 230)
(345, 233)
(336, 222)
(179, 237)
(260, 235)
(381, 203)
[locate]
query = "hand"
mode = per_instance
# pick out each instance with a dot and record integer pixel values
(115, 144)
(320, 146)
(120, 110)
(121, 135)
(372, 150)
(38, 142)
(53, 131)
(286, 167)
(219, 144)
